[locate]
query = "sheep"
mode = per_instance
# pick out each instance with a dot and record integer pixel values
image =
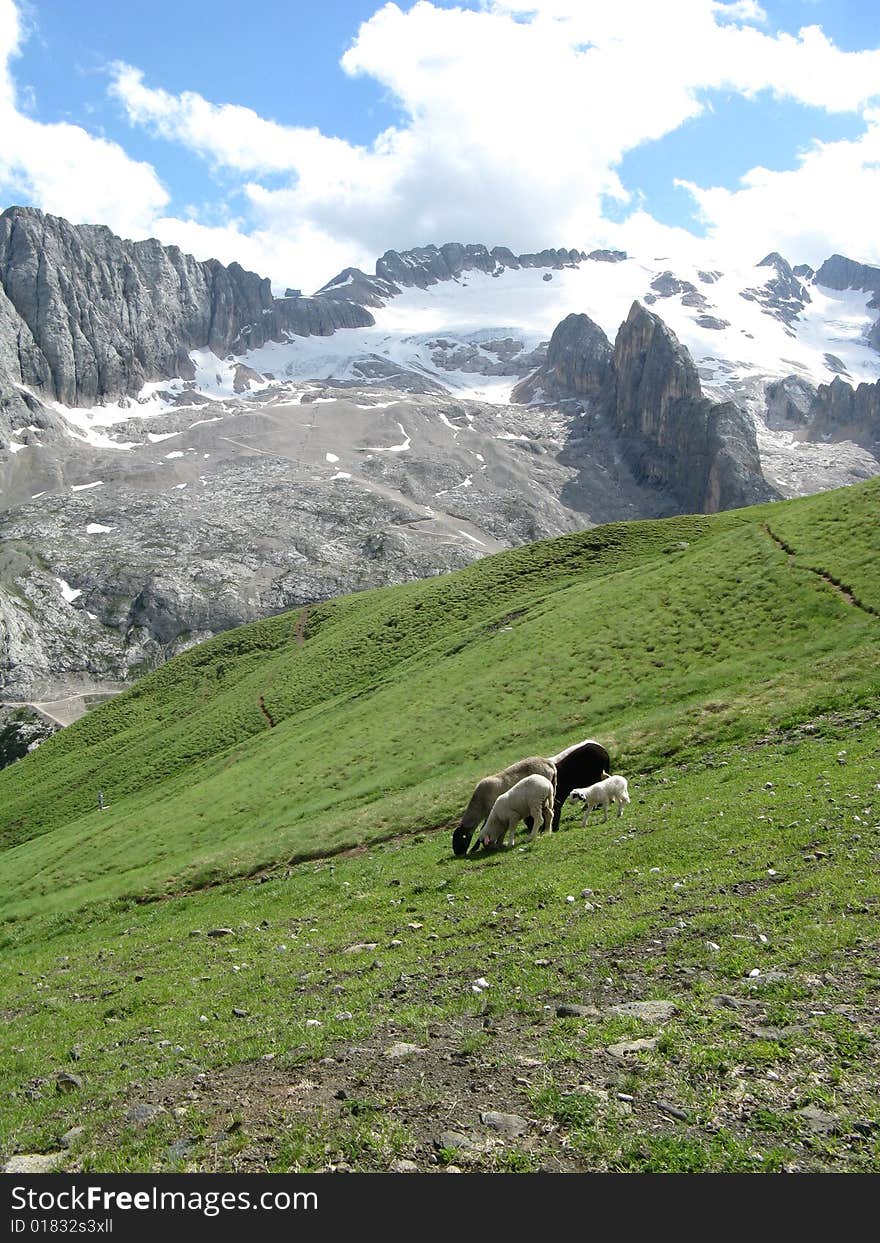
(603, 794)
(488, 790)
(533, 796)
(578, 765)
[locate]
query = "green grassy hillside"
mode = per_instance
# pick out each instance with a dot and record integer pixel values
(730, 665)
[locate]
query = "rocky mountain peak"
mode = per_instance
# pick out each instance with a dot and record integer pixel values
(86, 317)
(838, 272)
(427, 265)
(577, 364)
(783, 296)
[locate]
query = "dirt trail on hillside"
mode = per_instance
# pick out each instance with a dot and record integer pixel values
(841, 588)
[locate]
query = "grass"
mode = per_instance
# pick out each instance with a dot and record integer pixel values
(737, 691)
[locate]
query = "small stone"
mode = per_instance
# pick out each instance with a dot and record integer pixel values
(33, 1163)
(239, 1013)
(673, 1110)
(818, 1121)
(653, 869)
(402, 1049)
(69, 1138)
(75, 1053)
(570, 1011)
(542, 962)
(508, 1125)
(586, 893)
(481, 983)
(415, 925)
(570, 898)
(625, 1096)
(314, 1023)
(650, 1011)
(451, 1169)
(140, 1114)
(755, 971)
(66, 1081)
(454, 1139)
(396, 941)
(626, 1048)
(361, 947)
(180, 1149)
(713, 945)
(404, 1167)
(220, 932)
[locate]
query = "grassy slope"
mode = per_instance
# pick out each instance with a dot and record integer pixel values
(398, 699)
(684, 660)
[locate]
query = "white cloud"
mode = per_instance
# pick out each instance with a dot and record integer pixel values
(514, 122)
(63, 168)
(827, 204)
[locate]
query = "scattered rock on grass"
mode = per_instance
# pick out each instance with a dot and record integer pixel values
(508, 1125)
(33, 1163)
(140, 1114)
(567, 1011)
(819, 1122)
(456, 1139)
(66, 1081)
(627, 1047)
(402, 1049)
(674, 1111)
(650, 1011)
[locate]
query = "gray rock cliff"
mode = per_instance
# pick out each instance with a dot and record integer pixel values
(577, 364)
(86, 317)
(704, 454)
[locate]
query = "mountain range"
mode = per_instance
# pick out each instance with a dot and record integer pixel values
(181, 451)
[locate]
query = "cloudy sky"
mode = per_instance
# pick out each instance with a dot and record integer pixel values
(301, 138)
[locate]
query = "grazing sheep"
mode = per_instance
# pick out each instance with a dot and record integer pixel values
(489, 789)
(578, 765)
(533, 796)
(603, 794)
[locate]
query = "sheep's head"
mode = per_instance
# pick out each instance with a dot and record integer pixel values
(461, 839)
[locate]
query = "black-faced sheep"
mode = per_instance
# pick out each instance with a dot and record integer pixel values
(532, 797)
(491, 788)
(581, 764)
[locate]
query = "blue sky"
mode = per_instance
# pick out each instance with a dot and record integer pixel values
(542, 123)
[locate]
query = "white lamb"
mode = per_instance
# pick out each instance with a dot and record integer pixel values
(603, 794)
(533, 796)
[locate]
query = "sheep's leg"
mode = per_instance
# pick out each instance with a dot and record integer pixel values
(605, 810)
(620, 809)
(586, 813)
(548, 816)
